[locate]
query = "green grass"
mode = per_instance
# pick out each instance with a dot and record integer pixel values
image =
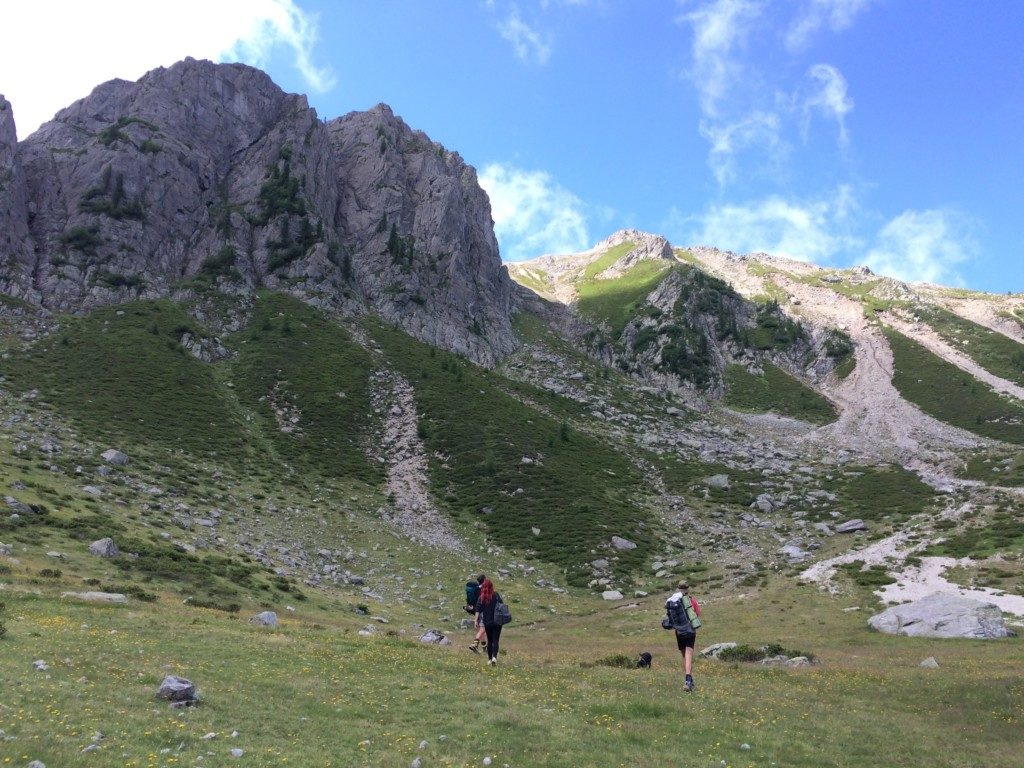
(308, 365)
(996, 353)
(579, 491)
(942, 390)
(606, 259)
(887, 493)
(121, 375)
(846, 367)
(616, 301)
(775, 391)
(1002, 533)
(313, 693)
(996, 469)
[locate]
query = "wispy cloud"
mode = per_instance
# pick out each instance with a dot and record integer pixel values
(758, 130)
(282, 22)
(246, 30)
(533, 214)
(830, 99)
(814, 230)
(530, 45)
(749, 106)
(815, 15)
(719, 28)
(924, 246)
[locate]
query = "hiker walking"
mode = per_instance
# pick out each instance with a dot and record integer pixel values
(472, 595)
(684, 617)
(491, 617)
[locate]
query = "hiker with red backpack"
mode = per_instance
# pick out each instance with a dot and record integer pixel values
(683, 615)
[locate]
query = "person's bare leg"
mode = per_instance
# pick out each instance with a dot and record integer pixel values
(688, 661)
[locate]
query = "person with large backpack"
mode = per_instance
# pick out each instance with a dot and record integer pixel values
(472, 595)
(683, 615)
(494, 614)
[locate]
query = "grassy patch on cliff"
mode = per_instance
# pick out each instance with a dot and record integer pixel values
(576, 490)
(942, 390)
(617, 300)
(996, 353)
(775, 391)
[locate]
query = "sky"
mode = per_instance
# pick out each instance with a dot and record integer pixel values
(888, 133)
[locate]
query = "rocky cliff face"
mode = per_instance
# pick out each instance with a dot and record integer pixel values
(210, 173)
(15, 247)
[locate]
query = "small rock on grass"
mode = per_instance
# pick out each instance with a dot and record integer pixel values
(417, 763)
(929, 663)
(36, 764)
(236, 752)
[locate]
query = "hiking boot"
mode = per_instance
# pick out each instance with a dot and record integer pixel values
(688, 686)
(493, 662)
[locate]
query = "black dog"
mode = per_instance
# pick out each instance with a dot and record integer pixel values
(643, 661)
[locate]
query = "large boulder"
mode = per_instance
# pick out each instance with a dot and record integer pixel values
(115, 457)
(942, 615)
(264, 619)
(104, 548)
(177, 689)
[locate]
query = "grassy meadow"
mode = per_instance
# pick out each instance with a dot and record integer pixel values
(314, 693)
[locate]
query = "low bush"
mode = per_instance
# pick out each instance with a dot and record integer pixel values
(750, 653)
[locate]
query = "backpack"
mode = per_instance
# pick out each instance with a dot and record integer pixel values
(472, 593)
(502, 614)
(682, 617)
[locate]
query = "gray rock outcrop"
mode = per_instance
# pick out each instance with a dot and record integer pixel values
(942, 615)
(104, 548)
(177, 689)
(211, 172)
(264, 619)
(115, 457)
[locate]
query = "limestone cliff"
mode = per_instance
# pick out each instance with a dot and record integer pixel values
(209, 173)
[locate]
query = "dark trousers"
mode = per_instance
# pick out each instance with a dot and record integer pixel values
(493, 634)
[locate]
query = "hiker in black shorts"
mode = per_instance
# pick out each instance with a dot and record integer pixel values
(683, 616)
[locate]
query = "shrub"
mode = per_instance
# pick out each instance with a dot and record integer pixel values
(51, 573)
(615, 660)
(3, 629)
(750, 653)
(84, 239)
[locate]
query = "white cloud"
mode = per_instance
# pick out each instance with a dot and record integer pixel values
(758, 130)
(529, 44)
(815, 231)
(719, 27)
(533, 214)
(831, 99)
(837, 15)
(89, 43)
(923, 246)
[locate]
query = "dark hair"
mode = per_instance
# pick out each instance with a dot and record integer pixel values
(480, 579)
(486, 592)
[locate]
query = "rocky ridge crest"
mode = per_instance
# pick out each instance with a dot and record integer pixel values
(210, 174)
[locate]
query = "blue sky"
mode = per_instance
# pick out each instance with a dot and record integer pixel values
(878, 132)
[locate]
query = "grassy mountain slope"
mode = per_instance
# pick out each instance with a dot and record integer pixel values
(942, 390)
(575, 490)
